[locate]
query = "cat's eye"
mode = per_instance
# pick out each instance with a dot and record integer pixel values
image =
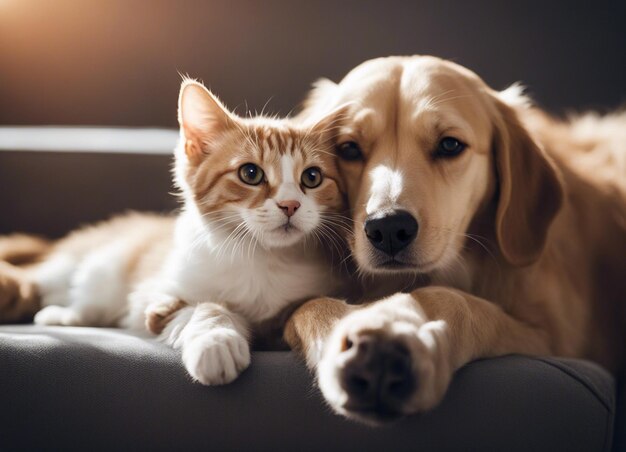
(311, 177)
(251, 174)
(449, 147)
(349, 150)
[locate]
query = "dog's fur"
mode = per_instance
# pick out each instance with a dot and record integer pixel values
(522, 237)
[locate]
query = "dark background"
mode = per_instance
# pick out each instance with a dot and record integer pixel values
(116, 62)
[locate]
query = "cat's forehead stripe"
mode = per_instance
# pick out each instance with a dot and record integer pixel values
(274, 142)
(287, 167)
(278, 139)
(267, 146)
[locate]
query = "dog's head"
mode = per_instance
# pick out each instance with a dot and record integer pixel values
(425, 146)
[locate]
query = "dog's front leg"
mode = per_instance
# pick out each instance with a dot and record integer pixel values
(308, 328)
(397, 356)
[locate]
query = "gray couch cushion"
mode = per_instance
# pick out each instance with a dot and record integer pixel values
(105, 389)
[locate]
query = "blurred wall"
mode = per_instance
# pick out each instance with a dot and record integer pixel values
(116, 62)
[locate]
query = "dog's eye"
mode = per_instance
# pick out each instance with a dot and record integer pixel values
(449, 147)
(311, 177)
(349, 150)
(250, 174)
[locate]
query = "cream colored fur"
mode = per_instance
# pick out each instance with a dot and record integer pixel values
(522, 237)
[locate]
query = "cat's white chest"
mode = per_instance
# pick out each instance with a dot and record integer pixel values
(257, 286)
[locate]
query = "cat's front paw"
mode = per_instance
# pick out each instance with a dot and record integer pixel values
(159, 313)
(216, 357)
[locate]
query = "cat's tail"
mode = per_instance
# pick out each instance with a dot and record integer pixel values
(23, 249)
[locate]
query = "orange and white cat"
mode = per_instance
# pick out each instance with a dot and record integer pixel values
(262, 201)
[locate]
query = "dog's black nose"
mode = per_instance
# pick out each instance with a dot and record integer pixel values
(391, 233)
(377, 375)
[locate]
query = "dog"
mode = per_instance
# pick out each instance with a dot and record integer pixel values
(512, 223)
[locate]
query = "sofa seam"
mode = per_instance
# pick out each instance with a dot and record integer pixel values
(564, 368)
(592, 388)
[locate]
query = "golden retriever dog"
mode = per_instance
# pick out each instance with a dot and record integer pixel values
(512, 223)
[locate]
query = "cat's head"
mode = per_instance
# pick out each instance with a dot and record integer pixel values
(269, 178)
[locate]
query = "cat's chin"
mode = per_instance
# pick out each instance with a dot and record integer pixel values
(282, 237)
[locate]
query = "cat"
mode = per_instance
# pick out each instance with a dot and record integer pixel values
(262, 203)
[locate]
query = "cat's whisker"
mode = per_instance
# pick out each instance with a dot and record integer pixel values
(217, 218)
(250, 238)
(236, 242)
(256, 242)
(250, 244)
(220, 220)
(345, 229)
(226, 241)
(320, 235)
(329, 233)
(344, 216)
(216, 227)
(337, 223)
(242, 243)
(345, 259)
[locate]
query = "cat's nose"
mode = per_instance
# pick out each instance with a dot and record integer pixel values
(289, 207)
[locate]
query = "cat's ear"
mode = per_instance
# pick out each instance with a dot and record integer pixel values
(202, 118)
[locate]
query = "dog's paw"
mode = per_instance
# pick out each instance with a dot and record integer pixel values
(216, 357)
(18, 296)
(159, 313)
(383, 362)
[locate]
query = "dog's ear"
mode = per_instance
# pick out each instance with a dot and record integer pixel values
(321, 98)
(529, 189)
(202, 119)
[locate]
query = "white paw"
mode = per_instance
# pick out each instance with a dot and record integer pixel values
(57, 315)
(216, 357)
